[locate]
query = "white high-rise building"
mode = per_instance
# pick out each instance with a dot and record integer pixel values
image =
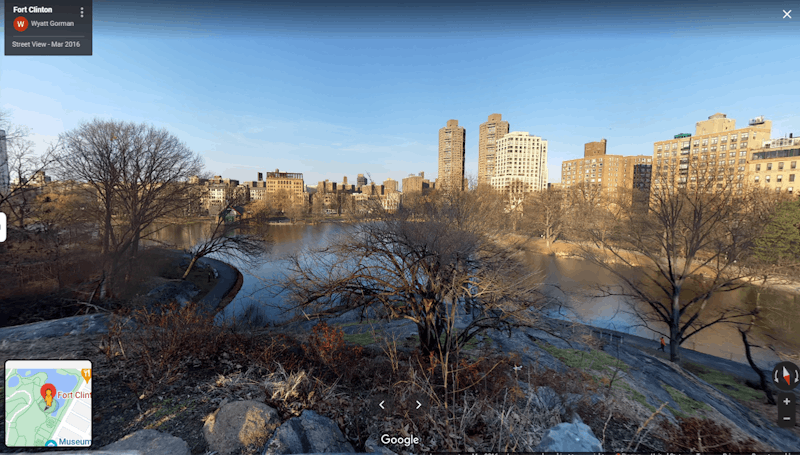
(4, 176)
(521, 159)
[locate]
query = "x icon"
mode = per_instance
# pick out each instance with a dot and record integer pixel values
(786, 14)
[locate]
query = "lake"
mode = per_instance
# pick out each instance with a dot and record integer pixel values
(571, 281)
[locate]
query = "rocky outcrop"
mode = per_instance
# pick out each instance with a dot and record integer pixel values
(238, 425)
(569, 437)
(150, 442)
(309, 433)
(181, 291)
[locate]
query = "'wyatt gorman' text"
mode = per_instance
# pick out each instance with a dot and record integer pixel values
(52, 24)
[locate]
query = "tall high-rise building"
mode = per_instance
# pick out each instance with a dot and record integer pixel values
(451, 156)
(489, 133)
(4, 175)
(361, 181)
(717, 151)
(521, 160)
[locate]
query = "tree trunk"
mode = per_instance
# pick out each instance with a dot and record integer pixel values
(761, 377)
(191, 265)
(674, 332)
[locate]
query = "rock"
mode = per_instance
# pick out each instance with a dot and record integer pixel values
(151, 442)
(372, 445)
(309, 433)
(569, 437)
(182, 292)
(546, 398)
(238, 425)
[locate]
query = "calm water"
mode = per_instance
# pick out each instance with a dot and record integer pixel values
(572, 281)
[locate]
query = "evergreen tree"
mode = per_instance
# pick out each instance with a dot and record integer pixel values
(781, 239)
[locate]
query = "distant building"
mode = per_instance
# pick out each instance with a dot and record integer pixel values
(488, 134)
(290, 182)
(774, 165)
(361, 181)
(220, 191)
(718, 151)
(608, 172)
(5, 180)
(521, 162)
(415, 183)
(390, 185)
(452, 140)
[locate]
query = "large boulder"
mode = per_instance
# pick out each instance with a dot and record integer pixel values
(150, 442)
(569, 437)
(309, 433)
(238, 425)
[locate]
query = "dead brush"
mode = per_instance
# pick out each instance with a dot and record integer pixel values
(158, 346)
(327, 347)
(705, 435)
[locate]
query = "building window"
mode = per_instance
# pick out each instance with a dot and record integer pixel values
(705, 142)
(789, 190)
(713, 140)
(766, 179)
(779, 179)
(722, 147)
(793, 165)
(744, 136)
(791, 177)
(780, 166)
(769, 166)
(757, 179)
(758, 167)
(723, 138)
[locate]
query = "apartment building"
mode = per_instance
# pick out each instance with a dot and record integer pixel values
(609, 172)
(717, 151)
(288, 181)
(520, 159)
(390, 185)
(5, 177)
(257, 189)
(416, 183)
(451, 156)
(488, 133)
(775, 165)
(220, 191)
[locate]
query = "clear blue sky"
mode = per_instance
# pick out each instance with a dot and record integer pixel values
(331, 89)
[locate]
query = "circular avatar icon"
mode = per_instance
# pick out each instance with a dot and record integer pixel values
(20, 24)
(786, 376)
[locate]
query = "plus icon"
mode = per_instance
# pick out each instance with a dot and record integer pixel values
(787, 401)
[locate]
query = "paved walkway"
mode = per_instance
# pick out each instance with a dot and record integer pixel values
(97, 323)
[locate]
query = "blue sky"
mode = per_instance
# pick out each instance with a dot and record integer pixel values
(332, 89)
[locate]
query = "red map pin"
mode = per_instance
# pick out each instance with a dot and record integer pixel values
(48, 398)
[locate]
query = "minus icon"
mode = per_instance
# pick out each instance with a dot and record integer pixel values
(787, 418)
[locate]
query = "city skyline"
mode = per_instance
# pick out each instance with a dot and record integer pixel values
(309, 95)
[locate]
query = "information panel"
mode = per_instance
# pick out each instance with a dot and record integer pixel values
(60, 27)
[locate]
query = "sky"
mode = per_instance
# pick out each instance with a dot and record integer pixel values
(330, 89)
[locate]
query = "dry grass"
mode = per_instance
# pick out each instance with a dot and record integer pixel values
(488, 402)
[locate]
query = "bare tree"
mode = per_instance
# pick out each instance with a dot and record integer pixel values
(432, 266)
(684, 251)
(245, 240)
(137, 173)
(547, 212)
